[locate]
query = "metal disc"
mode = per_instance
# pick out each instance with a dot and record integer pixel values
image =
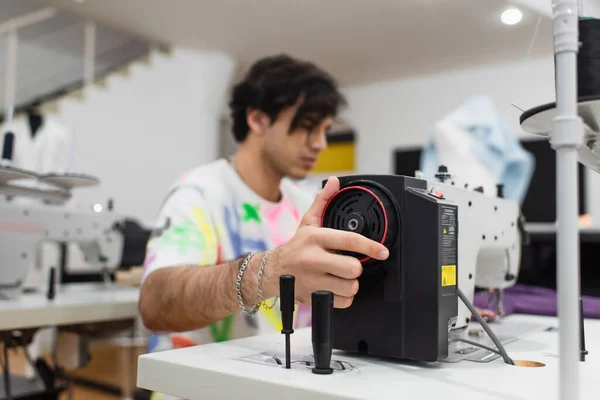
(539, 120)
(70, 180)
(8, 174)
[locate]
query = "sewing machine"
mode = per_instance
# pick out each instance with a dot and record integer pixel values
(489, 244)
(34, 213)
(444, 239)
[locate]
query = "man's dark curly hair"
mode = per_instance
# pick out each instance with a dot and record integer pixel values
(277, 82)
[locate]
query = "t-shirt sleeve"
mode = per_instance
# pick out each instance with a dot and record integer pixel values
(184, 233)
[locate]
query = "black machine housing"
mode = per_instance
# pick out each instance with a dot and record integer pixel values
(406, 304)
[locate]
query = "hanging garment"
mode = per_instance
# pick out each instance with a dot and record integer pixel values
(43, 148)
(476, 146)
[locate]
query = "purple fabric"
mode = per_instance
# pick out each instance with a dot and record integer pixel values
(524, 299)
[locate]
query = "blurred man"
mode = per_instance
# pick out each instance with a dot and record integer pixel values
(247, 211)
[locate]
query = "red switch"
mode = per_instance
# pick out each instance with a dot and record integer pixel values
(437, 194)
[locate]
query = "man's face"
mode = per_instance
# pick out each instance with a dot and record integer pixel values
(295, 153)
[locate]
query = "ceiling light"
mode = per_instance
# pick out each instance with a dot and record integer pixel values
(97, 207)
(511, 16)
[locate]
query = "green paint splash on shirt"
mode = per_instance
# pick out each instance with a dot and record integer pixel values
(251, 212)
(221, 331)
(183, 236)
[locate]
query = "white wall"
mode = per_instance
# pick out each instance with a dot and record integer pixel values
(143, 130)
(393, 114)
(402, 113)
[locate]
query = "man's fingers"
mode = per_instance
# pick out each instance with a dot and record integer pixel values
(338, 286)
(334, 239)
(342, 302)
(313, 215)
(346, 267)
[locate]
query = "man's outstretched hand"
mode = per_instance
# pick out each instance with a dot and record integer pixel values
(311, 255)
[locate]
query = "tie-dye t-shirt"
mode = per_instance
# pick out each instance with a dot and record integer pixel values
(211, 216)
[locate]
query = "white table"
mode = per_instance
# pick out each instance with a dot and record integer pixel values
(218, 371)
(73, 304)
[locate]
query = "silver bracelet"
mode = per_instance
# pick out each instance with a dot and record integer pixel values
(238, 288)
(260, 275)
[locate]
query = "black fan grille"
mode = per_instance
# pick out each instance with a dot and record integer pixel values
(357, 201)
(357, 209)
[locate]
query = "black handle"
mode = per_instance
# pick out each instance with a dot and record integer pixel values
(7, 146)
(287, 297)
(322, 331)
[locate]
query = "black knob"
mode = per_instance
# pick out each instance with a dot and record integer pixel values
(286, 295)
(500, 190)
(322, 331)
(51, 284)
(356, 223)
(7, 146)
(442, 173)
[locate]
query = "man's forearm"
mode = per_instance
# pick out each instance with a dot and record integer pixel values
(179, 299)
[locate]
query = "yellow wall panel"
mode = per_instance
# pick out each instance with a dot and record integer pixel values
(337, 157)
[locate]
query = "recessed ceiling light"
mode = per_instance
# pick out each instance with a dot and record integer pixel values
(511, 16)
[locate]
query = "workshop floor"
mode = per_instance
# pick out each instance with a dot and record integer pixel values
(104, 367)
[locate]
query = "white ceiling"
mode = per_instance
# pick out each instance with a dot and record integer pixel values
(357, 40)
(50, 53)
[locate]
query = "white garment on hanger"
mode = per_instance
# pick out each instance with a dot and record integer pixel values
(44, 153)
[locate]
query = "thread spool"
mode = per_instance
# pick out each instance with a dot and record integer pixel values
(588, 58)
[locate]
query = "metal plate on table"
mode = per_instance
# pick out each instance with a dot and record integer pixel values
(507, 331)
(299, 362)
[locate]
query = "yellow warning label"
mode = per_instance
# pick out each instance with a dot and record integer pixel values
(445, 231)
(448, 275)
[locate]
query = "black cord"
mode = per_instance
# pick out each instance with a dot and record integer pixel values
(487, 329)
(476, 344)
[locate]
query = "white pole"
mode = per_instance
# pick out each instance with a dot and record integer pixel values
(11, 71)
(567, 136)
(89, 52)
